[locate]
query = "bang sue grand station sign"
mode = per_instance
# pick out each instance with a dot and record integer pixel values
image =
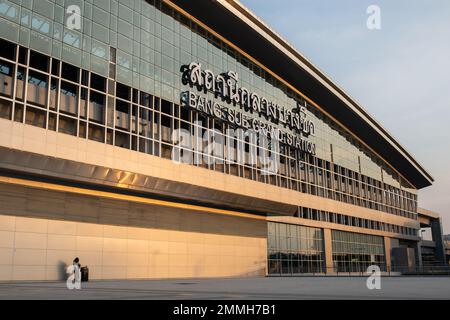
(259, 128)
(227, 94)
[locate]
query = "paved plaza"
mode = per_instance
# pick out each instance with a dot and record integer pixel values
(248, 288)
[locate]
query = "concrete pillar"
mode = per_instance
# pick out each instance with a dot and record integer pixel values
(418, 252)
(387, 253)
(328, 250)
(437, 236)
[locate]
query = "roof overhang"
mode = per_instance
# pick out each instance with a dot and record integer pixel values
(427, 213)
(238, 25)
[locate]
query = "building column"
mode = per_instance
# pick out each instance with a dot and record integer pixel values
(437, 237)
(328, 250)
(387, 253)
(418, 253)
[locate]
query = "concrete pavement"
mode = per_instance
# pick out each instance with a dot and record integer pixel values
(242, 288)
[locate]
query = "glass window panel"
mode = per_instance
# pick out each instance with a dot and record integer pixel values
(98, 82)
(69, 98)
(97, 107)
(122, 115)
(35, 117)
(52, 117)
(5, 109)
(39, 61)
(96, 133)
(122, 140)
(37, 88)
(70, 72)
(6, 78)
(18, 112)
(7, 49)
(54, 93)
(41, 24)
(359, 249)
(20, 84)
(67, 125)
(123, 91)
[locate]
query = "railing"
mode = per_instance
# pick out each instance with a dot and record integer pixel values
(435, 270)
(68, 104)
(443, 270)
(123, 120)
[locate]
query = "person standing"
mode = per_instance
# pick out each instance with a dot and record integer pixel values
(77, 269)
(74, 271)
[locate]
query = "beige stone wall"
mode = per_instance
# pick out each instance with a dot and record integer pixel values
(41, 231)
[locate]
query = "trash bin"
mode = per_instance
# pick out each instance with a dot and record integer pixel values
(84, 274)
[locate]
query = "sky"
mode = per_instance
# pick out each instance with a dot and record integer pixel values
(400, 73)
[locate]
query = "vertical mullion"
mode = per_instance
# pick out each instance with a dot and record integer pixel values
(14, 82)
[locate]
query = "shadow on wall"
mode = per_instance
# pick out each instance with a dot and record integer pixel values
(62, 267)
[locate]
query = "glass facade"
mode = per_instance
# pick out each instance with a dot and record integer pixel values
(294, 249)
(355, 252)
(118, 81)
(342, 219)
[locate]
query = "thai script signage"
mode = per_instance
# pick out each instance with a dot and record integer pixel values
(226, 90)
